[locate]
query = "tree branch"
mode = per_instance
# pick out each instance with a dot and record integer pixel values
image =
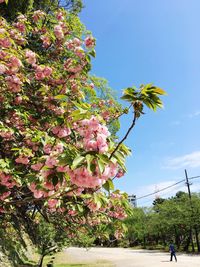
(126, 135)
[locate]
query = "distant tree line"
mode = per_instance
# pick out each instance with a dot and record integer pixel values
(174, 219)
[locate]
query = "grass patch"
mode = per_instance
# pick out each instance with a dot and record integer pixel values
(63, 259)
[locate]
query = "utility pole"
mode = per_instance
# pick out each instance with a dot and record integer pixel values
(188, 185)
(192, 213)
(189, 194)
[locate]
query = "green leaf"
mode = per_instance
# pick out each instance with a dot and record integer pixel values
(80, 208)
(120, 159)
(77, 161)
(103, 158)
(109, 185)
(93, 167)
(61, 97)
(159, 91)
(97, 200)
(101, 165)
(89, 159)
(128, 98)
(55, 180)
(126, 150)
(124, 227)
(93, 53)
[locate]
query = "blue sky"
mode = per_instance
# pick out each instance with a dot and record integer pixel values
(143, 41)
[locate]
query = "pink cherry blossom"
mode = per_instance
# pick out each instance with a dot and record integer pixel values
(58, 148)
(5, 42)
(47, 71)
(55, 129)
(42, 72)
(59, 16)
(89, 42)
(63, 132)
(90, 145)
(91, 85)
(47, 148)
(79, 52)
(18, 100)
(38, 193)
(3, 54)
(62, 168)
(120, 173)
(72, 212)
(46, 41)
(52, 203)
(37, 166)
(46, 173)
(7, 135)
(92, 206)
(48, 185)
(22, 159)
(32, 186)
(3, 68)
(30, 57)
(38, 14)
(20, 26)
(14, 64)
(76, 192)
(58, 32)
(14, 83)
(21, 17)
(51, 162)
(2, 210)
(5, 195)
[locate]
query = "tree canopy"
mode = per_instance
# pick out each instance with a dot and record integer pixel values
(175, 218)
(10, 9)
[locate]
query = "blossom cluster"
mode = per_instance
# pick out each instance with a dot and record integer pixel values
(94, 135)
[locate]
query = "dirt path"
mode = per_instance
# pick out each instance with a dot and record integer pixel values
(122, 257)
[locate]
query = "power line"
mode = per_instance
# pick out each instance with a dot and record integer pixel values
(194, 177)
(174, 189)
(167, 187)
(163, 194)
(157, 191)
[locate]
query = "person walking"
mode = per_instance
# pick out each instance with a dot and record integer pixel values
(172, 251)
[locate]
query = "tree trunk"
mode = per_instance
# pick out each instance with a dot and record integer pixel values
(191, 239)
(197, 239)
(144, 241)
(186, 247)
(177, 238)
(41, 261)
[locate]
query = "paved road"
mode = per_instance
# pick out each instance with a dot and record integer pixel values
(121, 257)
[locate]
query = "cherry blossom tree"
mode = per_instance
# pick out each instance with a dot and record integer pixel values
(59, 152)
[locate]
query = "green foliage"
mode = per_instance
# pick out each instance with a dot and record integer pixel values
(169, 219)
(11, 8)
(146, 95)
(105, 98)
